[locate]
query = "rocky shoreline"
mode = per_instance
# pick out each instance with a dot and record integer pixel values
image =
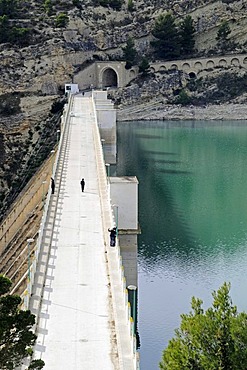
(162, 112)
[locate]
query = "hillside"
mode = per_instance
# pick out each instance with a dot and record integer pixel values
(44, 54)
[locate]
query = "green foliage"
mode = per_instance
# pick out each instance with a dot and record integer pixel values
(130, 5)
(62, 20)
(16, 336)
(48, 7)
(5, 285)
(187, 31)
(4, 28)
(8, 7)
(144, 66)
(77, 3)
(36, 364)
(215, 339)
(222, 36)
(114, 4)
(19, 36)
(167, 43)
(183, 98)
(129, 53)
(14, 35)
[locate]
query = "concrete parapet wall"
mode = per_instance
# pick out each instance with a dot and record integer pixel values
(122, 316)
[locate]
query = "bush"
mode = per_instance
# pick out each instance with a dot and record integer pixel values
(62, 20)
(183, 98)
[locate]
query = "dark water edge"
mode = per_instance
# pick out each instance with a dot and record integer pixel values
(193, 214)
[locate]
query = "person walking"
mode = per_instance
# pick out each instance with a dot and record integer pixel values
(82, 185)
(113, 233)
(52, 185)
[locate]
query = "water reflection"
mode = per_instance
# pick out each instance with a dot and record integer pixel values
(193, 214)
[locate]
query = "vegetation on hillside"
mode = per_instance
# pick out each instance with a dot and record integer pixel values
(173, 40)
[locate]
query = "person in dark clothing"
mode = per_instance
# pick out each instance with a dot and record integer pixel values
(52, 185)
(82, 185)
(113, 233)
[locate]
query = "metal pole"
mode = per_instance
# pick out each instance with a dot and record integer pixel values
(102, 142)
(43, 192)
(29, 241)
(53, 158)
(133, 289)
(116, 217)
(58, 132)
(108, 170)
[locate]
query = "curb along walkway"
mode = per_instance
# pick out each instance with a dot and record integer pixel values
(76, 327)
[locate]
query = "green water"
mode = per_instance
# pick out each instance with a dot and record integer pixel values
(193, 214)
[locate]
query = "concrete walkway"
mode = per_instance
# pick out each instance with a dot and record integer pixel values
(76, 327)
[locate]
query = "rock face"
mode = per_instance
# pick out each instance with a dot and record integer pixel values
(32, 78)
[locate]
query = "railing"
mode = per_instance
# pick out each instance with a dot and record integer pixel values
(64, 127)
(114, 257)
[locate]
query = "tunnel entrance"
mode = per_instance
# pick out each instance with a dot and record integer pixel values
(109, 78)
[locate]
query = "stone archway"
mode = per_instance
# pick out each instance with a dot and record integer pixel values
(109, 78)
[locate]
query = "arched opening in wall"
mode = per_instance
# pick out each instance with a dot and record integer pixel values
(223, 63)
(210, 64)
(185, 67)
(192, 75)
(174, 67)
(235, 62)
(109, 78)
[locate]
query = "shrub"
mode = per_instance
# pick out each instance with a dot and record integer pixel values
(62, 20)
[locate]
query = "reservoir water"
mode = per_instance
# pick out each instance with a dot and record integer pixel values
(193, 215)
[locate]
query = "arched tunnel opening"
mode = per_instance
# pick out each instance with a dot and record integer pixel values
(109, 78)
(192, 75)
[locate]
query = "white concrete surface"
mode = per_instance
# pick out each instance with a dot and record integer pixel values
(75, 329)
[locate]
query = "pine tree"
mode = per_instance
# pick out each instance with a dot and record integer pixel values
(222, 35)
(167, 43)
(187, 31)
(215, 339)
(144, 66)
(129, 53)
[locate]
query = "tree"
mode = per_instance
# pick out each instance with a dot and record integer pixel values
(222, 35)
(144, 66)
(187, 31)
(4, 29)
(215, 339)
(62, 20)
(8, 7)
(19, 36)
(129, 53)
(183, 98)
(16, 335)
(165, 31)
